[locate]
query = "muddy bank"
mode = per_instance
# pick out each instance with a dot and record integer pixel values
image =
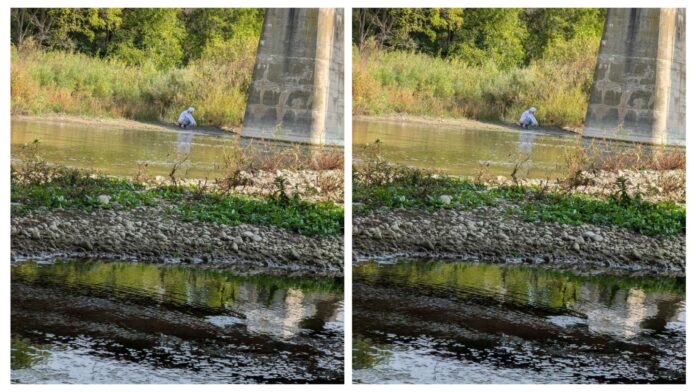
(148, 234)
(651, 185)
(488, 234)
(459, 122)
(118, 123)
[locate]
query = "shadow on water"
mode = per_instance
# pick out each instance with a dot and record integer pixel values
(100, 322)
(419, 321)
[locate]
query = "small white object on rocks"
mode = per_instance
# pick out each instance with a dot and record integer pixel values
(104, 199)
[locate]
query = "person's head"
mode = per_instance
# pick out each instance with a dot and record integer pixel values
(532, 109)
(191, 109)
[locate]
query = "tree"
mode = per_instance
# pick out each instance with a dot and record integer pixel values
(389, 27)
(64, 28)
(148, 35)
(21, 25)
(438, 28)
(212, 27)
(362, 26)
(547, 26)
(490, 34)
(508, 37)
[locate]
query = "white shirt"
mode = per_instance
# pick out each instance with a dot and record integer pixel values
(528, 118)
(185, 117)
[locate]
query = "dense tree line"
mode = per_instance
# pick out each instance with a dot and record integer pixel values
(510, 37)
(163, 37)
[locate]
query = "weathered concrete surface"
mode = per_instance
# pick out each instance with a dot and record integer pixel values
(297, 89)
(639, 89)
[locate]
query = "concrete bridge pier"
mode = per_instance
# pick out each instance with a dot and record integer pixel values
(639, 88)
(297, 89)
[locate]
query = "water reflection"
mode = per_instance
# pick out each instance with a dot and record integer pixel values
(489, 323)
(526, 143)
(150, 320)
(120, 151)
(462, 151)
(183, 142)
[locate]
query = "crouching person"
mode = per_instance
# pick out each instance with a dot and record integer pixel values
(186, 118)
(527, 119)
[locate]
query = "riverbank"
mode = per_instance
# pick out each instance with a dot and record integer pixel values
(487, 234)
(148, 234)
(61, 212)
(402, 212)
(115, 122)
(464, 123)
(650, 185)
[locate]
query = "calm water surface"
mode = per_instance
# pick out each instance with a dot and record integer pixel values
(100, 322)
(464, 151)
(434, 322)
(119, 151)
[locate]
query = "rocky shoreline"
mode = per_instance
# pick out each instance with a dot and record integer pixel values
(310, 185)
(147, 234)
(487, 234)
(651, 185)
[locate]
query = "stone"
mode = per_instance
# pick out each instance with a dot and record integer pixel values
(446, 199)
(294, 255)
(251, 236)
(104, 199)
(33, 232)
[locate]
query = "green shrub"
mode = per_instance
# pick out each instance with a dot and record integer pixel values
(78, 84)
(389, 82)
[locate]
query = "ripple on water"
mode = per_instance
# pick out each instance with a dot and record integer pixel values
(432, 322)
(100, 322)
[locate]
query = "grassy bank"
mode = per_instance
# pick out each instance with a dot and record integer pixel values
(37, 185)
(45, 82)
(379, 185)
(419, 84)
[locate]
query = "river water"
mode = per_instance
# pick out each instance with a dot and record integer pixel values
(465, 151)
(435, 322)
(119, 150)
(108, 322)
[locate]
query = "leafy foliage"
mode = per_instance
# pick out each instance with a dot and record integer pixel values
(158, 37)
(508, 37)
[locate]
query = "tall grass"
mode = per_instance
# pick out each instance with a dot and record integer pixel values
(72, 83)
(419, 84)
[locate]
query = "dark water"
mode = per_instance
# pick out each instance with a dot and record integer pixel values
(99, 322)
(119, 151)
(464, 151)
(434, 322)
